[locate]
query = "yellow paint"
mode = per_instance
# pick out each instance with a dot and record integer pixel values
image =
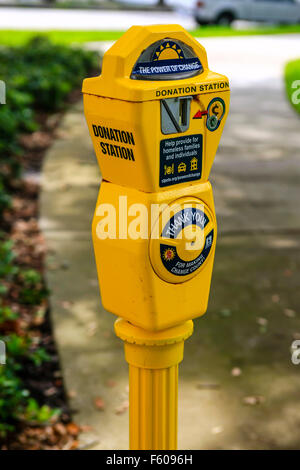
(142, 119)
(153, 359)
(217, 109)
(120, 59)
(138, 279)
(125, 266)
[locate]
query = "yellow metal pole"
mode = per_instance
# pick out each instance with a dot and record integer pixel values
(153, 408)
(153, 359)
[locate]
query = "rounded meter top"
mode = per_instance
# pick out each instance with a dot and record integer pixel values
(148, 58)
(167, 59)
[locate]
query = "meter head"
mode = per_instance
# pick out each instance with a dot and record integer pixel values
(156, 115)
(157, 112)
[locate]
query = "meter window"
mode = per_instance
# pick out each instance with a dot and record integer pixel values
(175, 115)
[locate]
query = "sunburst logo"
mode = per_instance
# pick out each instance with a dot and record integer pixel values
(169, 254)
(168, 50)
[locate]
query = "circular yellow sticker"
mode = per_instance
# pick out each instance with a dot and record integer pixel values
(215, 111)
(182, 240)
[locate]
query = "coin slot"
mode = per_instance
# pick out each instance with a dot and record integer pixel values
(175, 115)
(183, 107)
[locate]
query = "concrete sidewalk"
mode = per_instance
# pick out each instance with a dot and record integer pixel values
(253, 314)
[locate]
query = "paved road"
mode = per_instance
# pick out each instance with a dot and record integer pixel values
(94, 20)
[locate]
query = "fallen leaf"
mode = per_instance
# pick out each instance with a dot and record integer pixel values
(60, 429)
(70, 445)
(262, 321)
(73, 429)
(86, 428)
(39, 316)
(72, 393)
(111, 383)
(236, 372)
(50, 391)
(66, 304)
(92, 328)
(35, 141)
(74, 445)
(289, 313)
(253, 400)
(99, 404)
(275, 298)
(122, 408)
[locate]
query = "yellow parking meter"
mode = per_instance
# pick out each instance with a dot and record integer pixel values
(156, 115)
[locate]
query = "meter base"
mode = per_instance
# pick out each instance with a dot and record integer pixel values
(153, 359)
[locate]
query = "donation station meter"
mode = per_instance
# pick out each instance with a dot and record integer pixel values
(156, 115)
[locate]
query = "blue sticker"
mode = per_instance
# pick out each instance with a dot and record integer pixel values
(168, 58)
(183, 218)
(165, 67)
(179, 267)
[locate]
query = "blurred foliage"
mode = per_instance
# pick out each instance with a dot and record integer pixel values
(7, 268)
(292, 83)
(15, 400)
(39, 414)
(33, 291)
(38, 77)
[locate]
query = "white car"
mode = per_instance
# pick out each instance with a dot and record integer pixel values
(223, 12)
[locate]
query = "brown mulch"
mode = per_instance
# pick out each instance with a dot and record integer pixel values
(21, 225)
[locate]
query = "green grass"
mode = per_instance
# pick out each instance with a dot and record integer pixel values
(207, 31)
(15, 38)
(291, 75)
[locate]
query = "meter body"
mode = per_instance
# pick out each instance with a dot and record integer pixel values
(155, 115)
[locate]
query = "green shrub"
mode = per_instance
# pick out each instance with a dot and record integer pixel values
(39, 414)
(41, 74)
(5, 199)
(33, 291)
(15, 401)
(13, 397)
(38, 77)
(7, 256)
(7, 314)
(292, 75)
